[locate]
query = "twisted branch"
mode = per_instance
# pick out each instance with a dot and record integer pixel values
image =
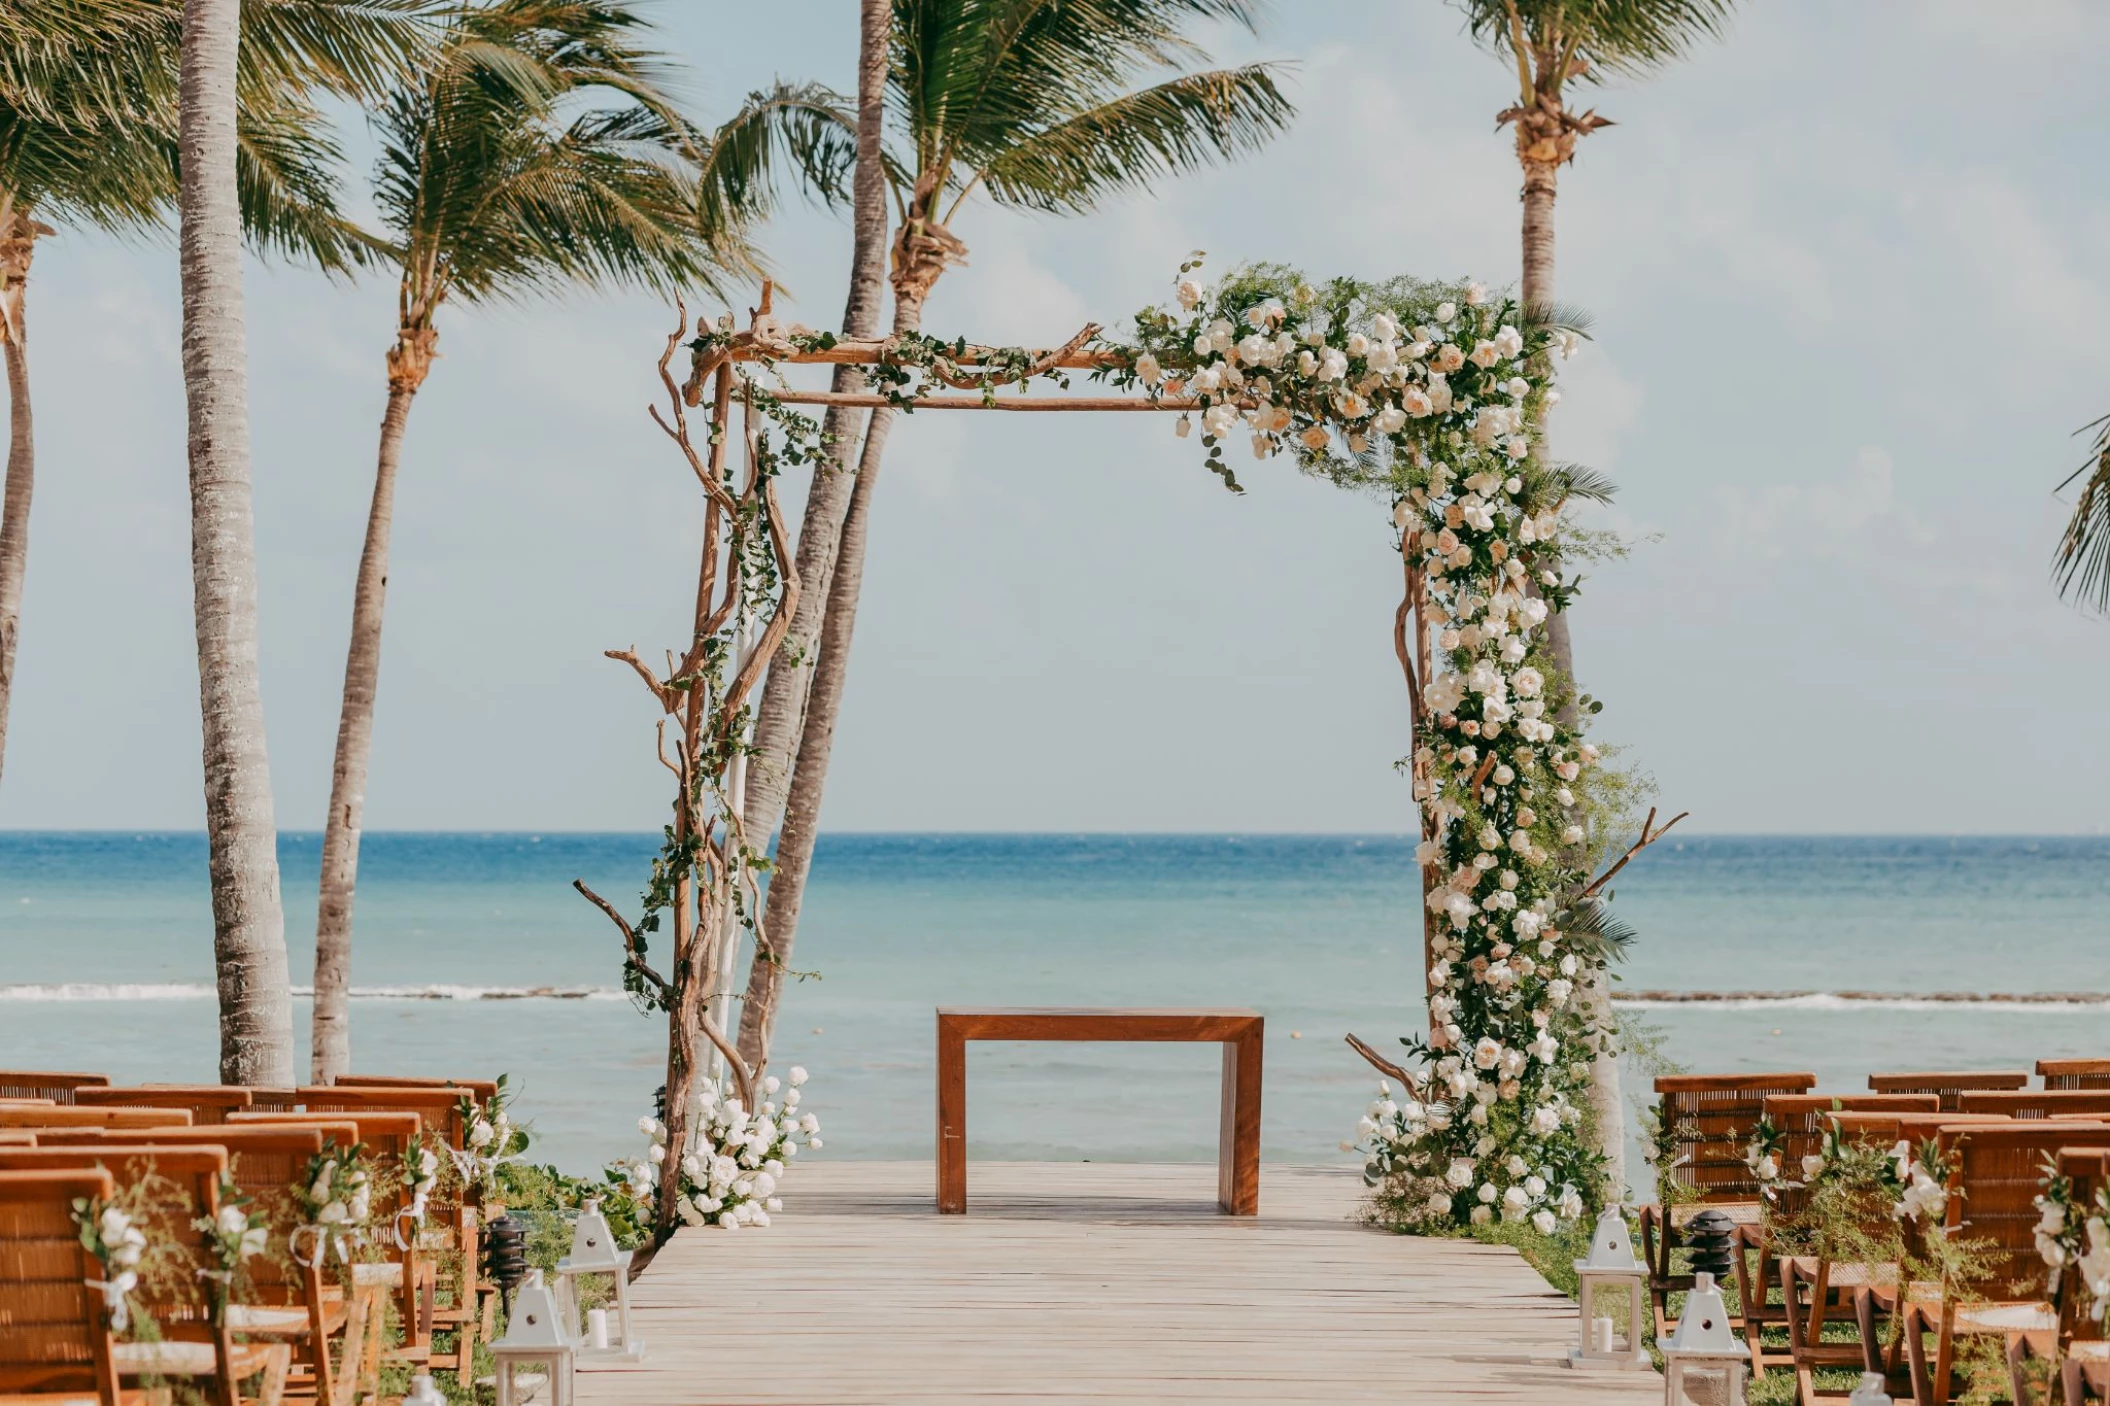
(632, 954)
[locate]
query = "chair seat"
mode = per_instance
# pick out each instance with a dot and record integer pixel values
(282, 1322)
(185, 1359)
(377, 1276)
(2007, 1318)
(1846, 1274)
(1741, 1212)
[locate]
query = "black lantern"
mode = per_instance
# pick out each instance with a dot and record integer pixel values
(1709, 1238)
(505, 1258)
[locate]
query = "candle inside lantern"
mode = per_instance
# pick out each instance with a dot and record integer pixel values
(597, 1328)
(1601, 1333)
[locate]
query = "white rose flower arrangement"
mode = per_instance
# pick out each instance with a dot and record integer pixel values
(2075, 1236)
(1434, 395)
(736, 1160)
(110, 1231)
(335, 1200)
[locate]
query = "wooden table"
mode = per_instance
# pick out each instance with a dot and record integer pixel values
(1238, 1031)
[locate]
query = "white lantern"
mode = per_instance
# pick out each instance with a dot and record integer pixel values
(1703, 1363)
(1874, 1391)
(1612, 1269)
(535, 1337)
(593, 1252)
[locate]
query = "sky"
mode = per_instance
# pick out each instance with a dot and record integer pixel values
(1850, 271)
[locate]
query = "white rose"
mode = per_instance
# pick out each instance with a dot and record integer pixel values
(1147, 369)
(1544, 1222)
(1190, 294)
(1475, 295)
(1484, 354)
(1446, 311)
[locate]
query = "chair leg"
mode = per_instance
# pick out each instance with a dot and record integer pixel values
(1916, 1354)
(1752, 1305)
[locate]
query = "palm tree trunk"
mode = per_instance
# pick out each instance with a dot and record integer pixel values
(249, 930)
(1607, 1100)
(17, 243)
(781, 716)
(781, 712)
(331, 1037)
(809, 777)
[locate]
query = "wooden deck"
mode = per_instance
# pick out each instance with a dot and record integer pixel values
(1092, 1282)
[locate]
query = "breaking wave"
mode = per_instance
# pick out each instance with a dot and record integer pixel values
(182, 991)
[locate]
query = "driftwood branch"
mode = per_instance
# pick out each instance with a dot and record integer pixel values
(1649, 835)
(666, 696)
(631, 953)
(742, 1075)
(1381, 1064)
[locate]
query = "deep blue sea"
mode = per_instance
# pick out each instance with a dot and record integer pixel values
(106, 946)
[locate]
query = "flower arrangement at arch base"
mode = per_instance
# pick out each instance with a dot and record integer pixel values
(736, 1160)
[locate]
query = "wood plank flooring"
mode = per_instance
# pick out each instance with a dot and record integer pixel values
(1095, 1283)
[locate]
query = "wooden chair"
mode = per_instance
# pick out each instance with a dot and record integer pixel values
(1992, 1198)
(388, 1137)
(1803, 1123)
(187, 1343)
(55, 1341)
(37, 1116)
(454, 1213)
(207, 1103)
(17, 1137)
(2074, 1073)
(1948, 1085)
(1709, 1118)
(45, 1083)
(289, 1302)
(2091, 1104)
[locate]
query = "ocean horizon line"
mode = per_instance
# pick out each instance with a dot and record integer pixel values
(140, 991)
(534, 833)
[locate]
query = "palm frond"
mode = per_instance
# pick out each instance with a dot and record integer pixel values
(1581, 481)
(1557, 316)
(807, 125)
(285, 181)
(2082, 564)
(1132, 141)
(1610, 36)
(1596, 933)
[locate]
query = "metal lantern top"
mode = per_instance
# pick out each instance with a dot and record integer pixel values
(1873, 1391)
(593, 1248)
(1704, 1328)
(535, 1323)
(1611, 1251)
(1709, 1238)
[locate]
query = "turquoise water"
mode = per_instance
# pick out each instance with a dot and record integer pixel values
(105, 962)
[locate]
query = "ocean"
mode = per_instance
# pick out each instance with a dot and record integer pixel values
(473, 956)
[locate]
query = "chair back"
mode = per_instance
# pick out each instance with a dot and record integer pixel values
(1802, 1121)
(2074, 1073)
(1947, 1084)
(17, 1137)
(56, 1085)
(438, 1107)
(192, 1177)
(2039, 1103)
(54, 1334)
(37, 1116)
(207, 1103)
(484, 1089)
(1999, 1173)
(1708, 1119)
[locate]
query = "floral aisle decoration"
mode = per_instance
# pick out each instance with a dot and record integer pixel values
(736, 1161)
(334, 1201)
(491, 1140)
(2075, 1235)
(420, 1174)
(235, 1234)
(111, 1232)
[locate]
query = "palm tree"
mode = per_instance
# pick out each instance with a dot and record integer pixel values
(535, 153)
(1029, 103)
(1554, 43)
(2082, 565)
(88, 134)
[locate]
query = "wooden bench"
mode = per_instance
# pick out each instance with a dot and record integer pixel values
(1238, 1031)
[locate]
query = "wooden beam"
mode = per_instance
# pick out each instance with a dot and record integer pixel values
(975, 402)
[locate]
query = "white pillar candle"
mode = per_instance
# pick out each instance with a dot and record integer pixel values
(1601, 1333)
(597, 1328)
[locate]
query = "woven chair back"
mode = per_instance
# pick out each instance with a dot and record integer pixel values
(2074, 1073)
(206, 1103)
(1949, 1085)
(1999, 1173)
(1709, 1118)
(2040, 1103)
(54, 1084)
(53, 1332)
(37, 1116)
